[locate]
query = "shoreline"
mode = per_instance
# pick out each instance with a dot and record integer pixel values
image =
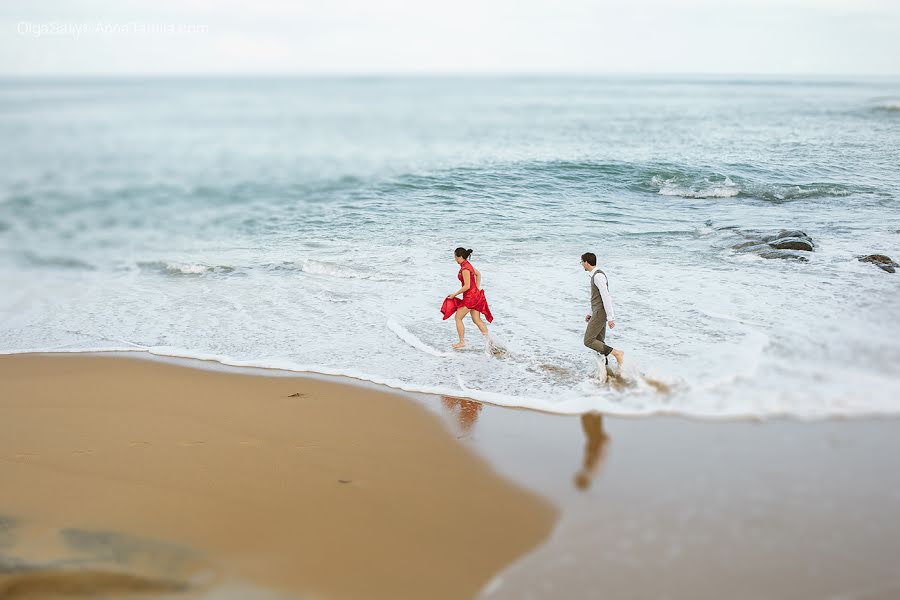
(218, 364)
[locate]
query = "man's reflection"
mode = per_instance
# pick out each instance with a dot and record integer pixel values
(594, 449)
(465, 411)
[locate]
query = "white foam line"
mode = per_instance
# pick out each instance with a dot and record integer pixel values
(412, 340)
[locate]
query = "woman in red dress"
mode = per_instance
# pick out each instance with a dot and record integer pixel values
(473, 300)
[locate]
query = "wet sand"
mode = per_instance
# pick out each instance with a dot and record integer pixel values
(129, 476)
(672, 508)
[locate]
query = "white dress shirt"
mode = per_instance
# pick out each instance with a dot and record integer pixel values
(603, 285)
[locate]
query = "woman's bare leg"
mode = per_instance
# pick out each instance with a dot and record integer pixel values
(476, 318)
(461, 312)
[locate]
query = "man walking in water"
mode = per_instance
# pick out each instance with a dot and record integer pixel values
(601, 310)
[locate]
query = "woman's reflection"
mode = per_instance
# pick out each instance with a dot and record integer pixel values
(465, 411)
(594, 449)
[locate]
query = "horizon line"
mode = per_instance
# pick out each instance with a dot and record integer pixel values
(427, 74)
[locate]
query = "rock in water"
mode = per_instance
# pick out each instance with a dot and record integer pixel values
(784, 254)
(881, 261)
(750, 246)
(788, 244)
(792, 243)
(793, 233)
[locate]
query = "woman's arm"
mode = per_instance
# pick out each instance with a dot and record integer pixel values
(467, 283)
(477, 278)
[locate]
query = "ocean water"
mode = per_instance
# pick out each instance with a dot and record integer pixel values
(309, 224)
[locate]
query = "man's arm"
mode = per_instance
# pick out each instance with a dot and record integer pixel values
(603, 285)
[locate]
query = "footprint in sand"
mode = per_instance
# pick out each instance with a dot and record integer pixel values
(83, 452)
(308, 446)
(138, 443)
(25, 455)
(189, 444)
(251, 442)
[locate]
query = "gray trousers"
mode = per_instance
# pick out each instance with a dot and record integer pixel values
(595, 334)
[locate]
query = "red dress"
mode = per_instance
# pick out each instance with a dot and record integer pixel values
(473, 298)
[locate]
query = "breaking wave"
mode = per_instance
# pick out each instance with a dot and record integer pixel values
(725, 186)
(708, 188)
(183, 268)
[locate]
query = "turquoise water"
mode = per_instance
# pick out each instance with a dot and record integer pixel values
(309, 224)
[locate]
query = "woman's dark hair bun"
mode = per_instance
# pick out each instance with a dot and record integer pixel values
(469, 251)
(462, 252)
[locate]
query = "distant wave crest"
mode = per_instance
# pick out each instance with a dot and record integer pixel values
(56, 262)
(778, 192)
(501, 182)
(891, 106)
(686, 185)
(312, 267)
(316, 267)
(708, 188)
(183, 268)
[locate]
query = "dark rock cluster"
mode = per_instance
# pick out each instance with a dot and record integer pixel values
(793, 244)
(881, 261)
(790, 244)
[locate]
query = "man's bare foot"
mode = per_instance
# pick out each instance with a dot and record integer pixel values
(459, 345)
(619, 356)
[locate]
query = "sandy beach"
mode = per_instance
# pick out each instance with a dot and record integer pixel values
(132, 476)
(124, 475)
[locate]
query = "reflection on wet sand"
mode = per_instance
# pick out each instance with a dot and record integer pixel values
(594, 449)
(465, 411)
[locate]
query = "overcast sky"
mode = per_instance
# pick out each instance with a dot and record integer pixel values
(72, 37)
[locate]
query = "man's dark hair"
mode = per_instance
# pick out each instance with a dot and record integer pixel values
(590, 258)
